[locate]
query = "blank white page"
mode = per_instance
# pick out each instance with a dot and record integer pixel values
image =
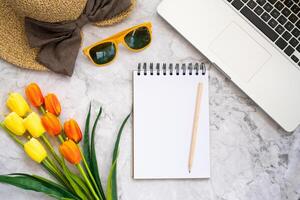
(163, 119)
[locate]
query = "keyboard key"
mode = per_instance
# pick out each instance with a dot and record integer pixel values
(286, 12)
(288, 3)
(229, 1)
(295, 59)
(281, 43)
(289, 50)
(279, 29)
(251, 4)
(298, 48)
(294, 42)
(268, 7)
(262, 26)
(237, 4)
(286, 35)
(273, 23)
(296, 32)
(293, 18)
(298, 24)
(261, 2)
(279, 5)
(272, 1)
(275, 13)
(282, 19)
(289, 26)
(258, 10)
(265, 17)
(295, 9)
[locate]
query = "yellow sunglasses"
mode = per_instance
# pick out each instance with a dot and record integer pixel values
(135, 39)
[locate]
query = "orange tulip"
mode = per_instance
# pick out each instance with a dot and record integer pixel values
(34, 94)
(72, 130)
(70, 151)
(51, 124)
(52, 104)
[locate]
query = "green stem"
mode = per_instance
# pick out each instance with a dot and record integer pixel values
(12, 135)
(51, 161)
(42, 109)
(63, 136)
(89, 172)
(47, 142)
(61, 139)
(57, 173)
(53, 164)
(51, 171)
(87, 181)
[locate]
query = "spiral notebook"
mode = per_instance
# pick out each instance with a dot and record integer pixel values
(164, 104)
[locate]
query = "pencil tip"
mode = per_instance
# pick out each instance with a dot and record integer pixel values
(189, 171)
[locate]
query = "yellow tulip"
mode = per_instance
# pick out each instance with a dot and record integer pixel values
(16, 103)
(34, 125)
(14, 123)
(35, 150)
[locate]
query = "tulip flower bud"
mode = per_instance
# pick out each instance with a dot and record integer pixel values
(51, 124)
(72, 130)
(70, 151)
(34, 125)
(14, 123)
(35, 150)
(16, 103)
(52, 104)
(34, 94)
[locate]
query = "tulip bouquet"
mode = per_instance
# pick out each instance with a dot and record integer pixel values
(31, 132)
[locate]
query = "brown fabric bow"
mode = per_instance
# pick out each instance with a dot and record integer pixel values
(59, 42)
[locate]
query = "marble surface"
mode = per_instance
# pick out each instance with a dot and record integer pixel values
(252, 158)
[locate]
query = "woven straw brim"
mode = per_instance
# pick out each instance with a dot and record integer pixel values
(13, 42)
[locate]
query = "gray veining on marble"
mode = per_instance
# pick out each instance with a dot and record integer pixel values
(252, 158)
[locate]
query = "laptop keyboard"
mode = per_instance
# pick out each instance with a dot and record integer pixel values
(279, 20)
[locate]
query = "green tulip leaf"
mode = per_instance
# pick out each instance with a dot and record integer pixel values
(109, 189)
(86, 139)
(38, 184)
(94, 164)
(112, 193)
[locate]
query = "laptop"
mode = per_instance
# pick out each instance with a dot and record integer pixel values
(255, 43)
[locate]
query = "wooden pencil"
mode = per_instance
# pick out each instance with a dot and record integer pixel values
(195, 126)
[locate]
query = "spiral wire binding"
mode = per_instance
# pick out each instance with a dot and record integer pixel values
(170, 69)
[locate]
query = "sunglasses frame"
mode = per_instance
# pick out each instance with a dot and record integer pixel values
(117, 39)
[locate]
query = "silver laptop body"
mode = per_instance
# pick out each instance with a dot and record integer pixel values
(250, 54)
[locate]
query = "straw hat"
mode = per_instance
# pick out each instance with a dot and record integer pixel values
(14, 46)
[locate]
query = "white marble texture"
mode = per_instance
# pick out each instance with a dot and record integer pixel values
(252, 158)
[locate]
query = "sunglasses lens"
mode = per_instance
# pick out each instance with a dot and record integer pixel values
(103, 53)
(138, 38)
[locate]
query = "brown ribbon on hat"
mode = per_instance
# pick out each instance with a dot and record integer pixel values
(59, 42)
